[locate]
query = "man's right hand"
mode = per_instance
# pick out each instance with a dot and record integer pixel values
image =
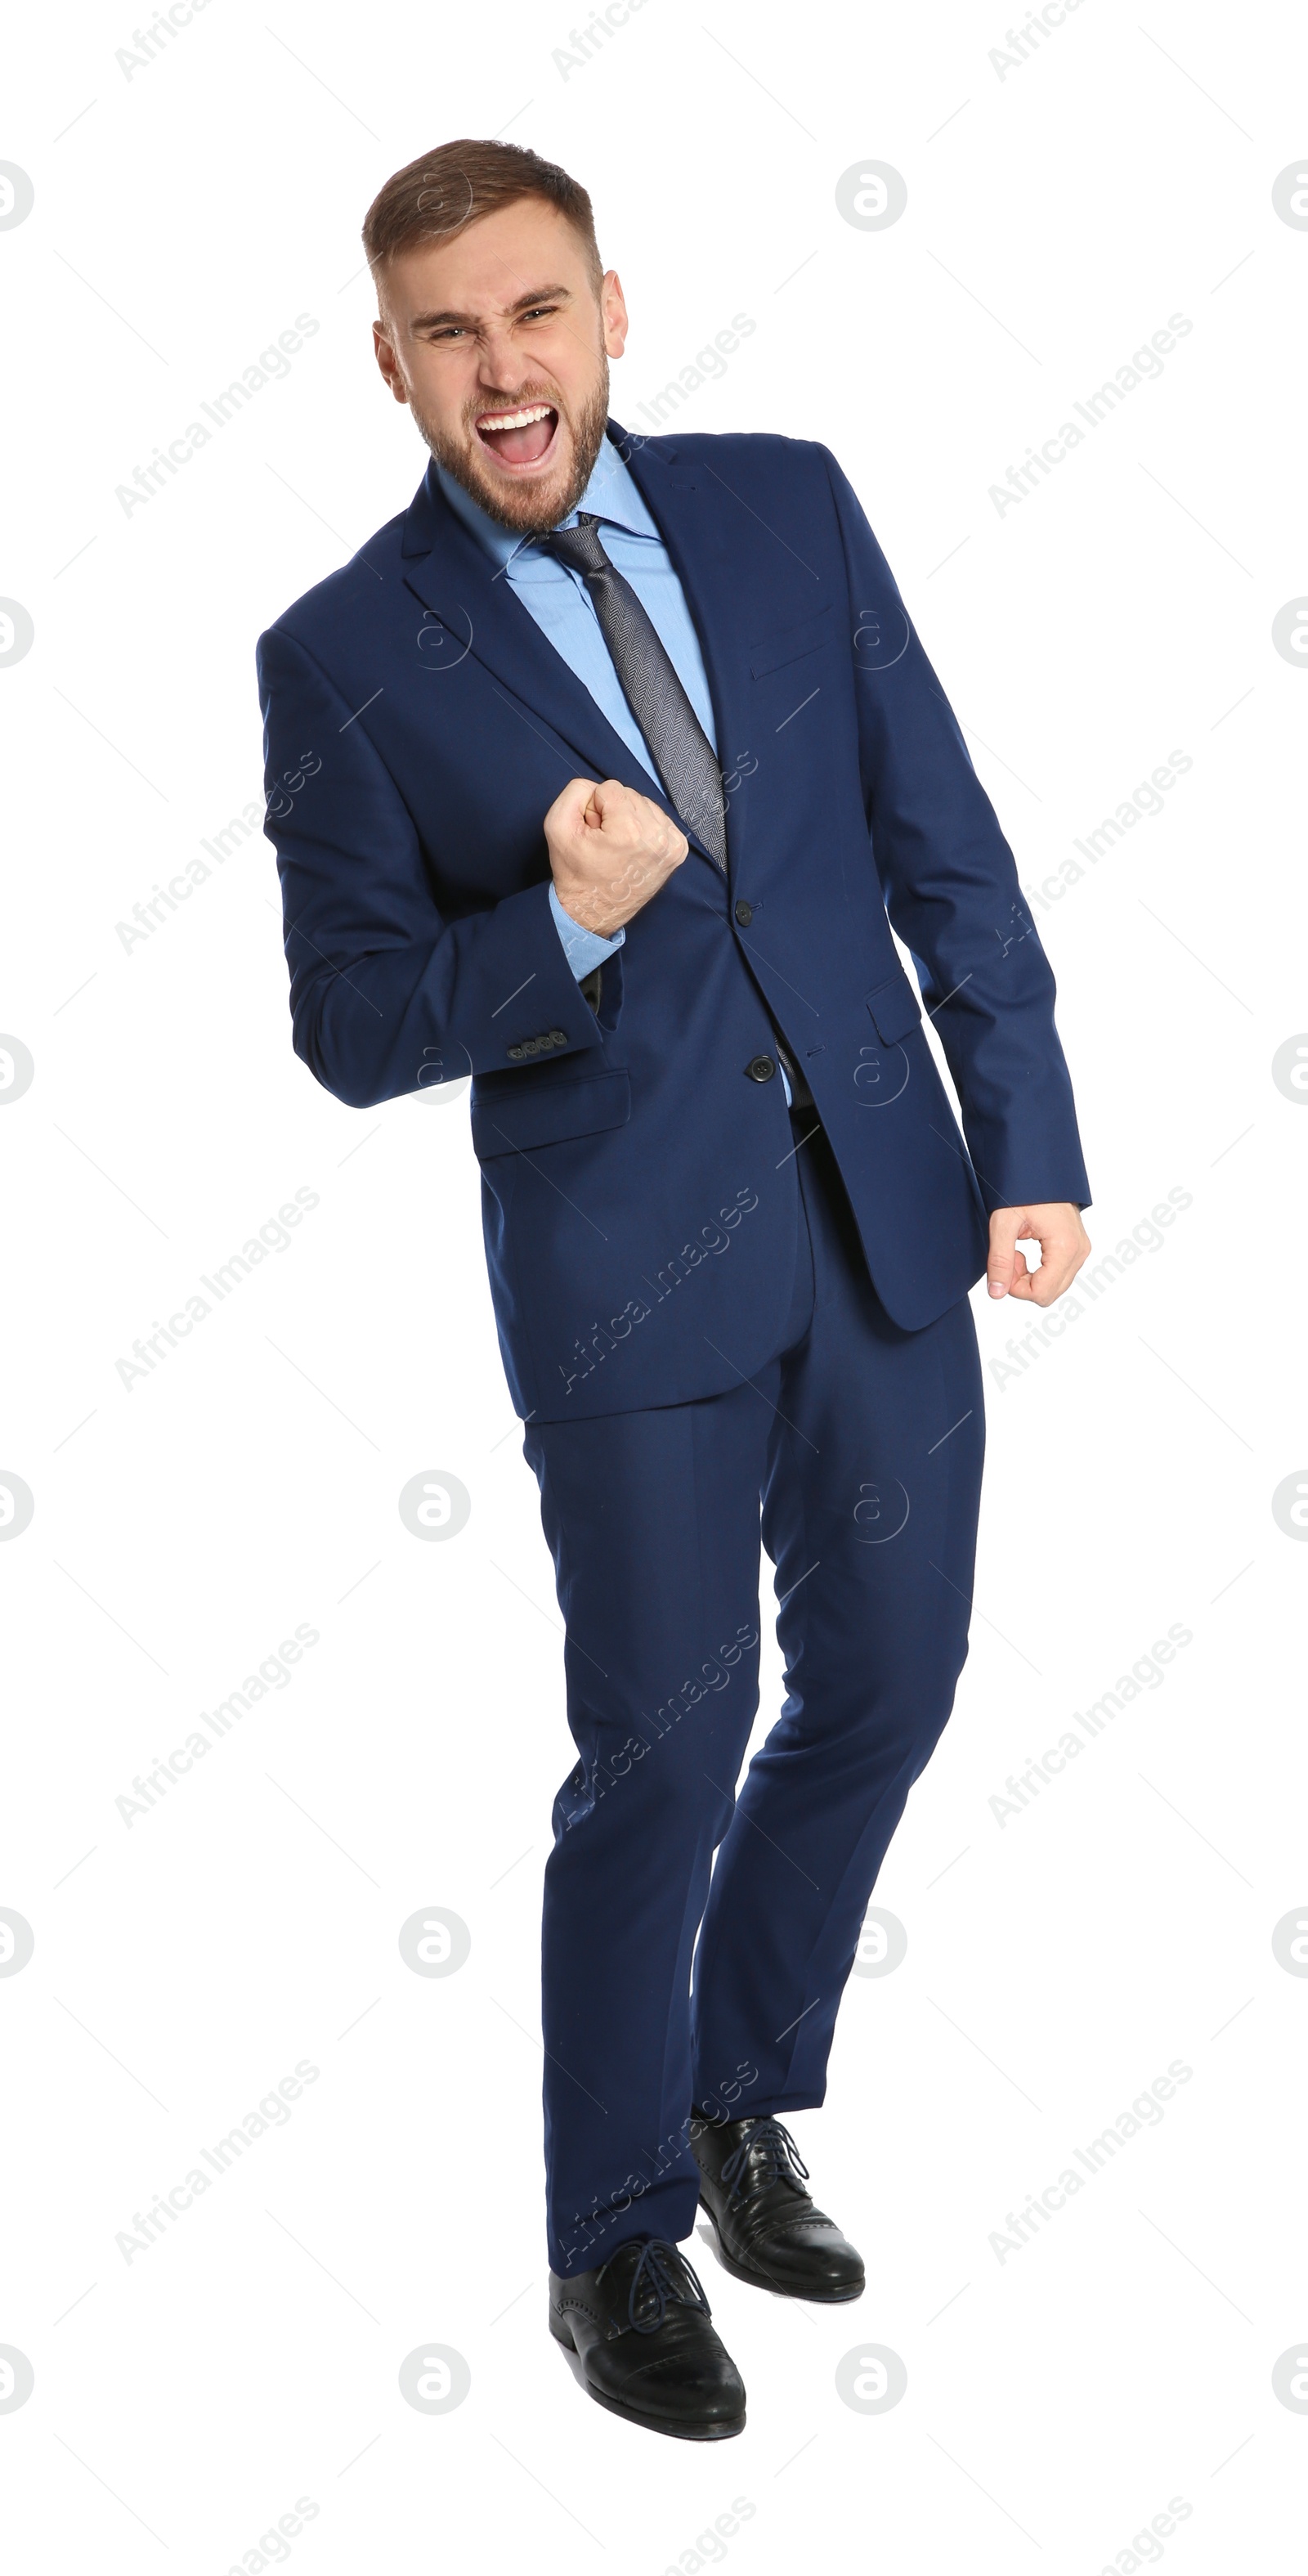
(610, 851)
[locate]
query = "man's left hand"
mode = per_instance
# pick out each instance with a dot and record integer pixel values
(1064, 1245)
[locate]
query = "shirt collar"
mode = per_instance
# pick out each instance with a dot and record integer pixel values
(611, 494)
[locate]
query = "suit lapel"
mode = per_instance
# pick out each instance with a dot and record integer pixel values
(470, 597)
(471, 600)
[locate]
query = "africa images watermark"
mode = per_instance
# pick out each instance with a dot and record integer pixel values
(714, 1675)
(273, 2112)
(1145, 2113)
(1024, 41)
(1144, 800)
(1146, 2547)
(274, 1673)
(672, 2151)
(707, 364)
(156, 910)
(591, 39)
(273, 1236)
(271, 2547)
(678, 1266)
(149, 42)
(710, 2545)
(274, 361)
(1146, 1673)
(1144, 362)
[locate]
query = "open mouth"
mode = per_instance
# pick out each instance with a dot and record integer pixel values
(519, 440)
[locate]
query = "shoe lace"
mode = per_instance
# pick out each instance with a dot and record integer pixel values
(778, 2160)
(662, 2278)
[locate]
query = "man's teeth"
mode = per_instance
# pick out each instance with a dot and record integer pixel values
(515, 419)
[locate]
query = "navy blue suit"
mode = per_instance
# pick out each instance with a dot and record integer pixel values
(695, 1308)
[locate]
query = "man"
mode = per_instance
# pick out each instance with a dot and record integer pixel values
(594, 774)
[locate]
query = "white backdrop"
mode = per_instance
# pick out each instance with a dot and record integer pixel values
(1114, 2378)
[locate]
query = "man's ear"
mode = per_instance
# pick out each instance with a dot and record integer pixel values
(385, 356)
(613, 312)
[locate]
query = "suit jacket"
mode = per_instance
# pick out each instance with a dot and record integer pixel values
(639, 1204)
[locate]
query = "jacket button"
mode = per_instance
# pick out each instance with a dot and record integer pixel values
(760, 1068)
(744, 913)
(558, 1037)
(517, 1053)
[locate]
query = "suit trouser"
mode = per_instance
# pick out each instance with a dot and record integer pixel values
(865, 1444)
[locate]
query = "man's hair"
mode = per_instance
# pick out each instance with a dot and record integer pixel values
(435, 196)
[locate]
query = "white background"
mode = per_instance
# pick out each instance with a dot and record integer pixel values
(1058, 1961)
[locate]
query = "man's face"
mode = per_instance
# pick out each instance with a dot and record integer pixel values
(499, 343)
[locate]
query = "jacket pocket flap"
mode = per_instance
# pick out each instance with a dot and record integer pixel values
(894, 1007)
(520, 1119)
(775, 650)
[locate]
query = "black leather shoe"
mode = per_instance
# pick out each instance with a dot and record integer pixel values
(752, 2185)
(648, 2350)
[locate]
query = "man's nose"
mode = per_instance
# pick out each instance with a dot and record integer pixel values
(500, 364)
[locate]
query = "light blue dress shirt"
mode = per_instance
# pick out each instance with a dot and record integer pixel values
(563, 609)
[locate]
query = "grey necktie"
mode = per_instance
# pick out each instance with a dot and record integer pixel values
(682, 751)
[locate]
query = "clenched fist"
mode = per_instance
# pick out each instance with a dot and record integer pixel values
(1064, 1244)
(610, 851)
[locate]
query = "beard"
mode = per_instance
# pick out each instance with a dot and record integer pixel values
(538, 506)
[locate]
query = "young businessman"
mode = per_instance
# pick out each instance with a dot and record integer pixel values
(595, 774)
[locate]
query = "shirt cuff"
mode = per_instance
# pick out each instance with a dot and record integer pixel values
(584, 949)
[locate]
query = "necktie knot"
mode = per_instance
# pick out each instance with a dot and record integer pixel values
(579, 548)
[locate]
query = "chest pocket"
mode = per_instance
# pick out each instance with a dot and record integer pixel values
(791, 645)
